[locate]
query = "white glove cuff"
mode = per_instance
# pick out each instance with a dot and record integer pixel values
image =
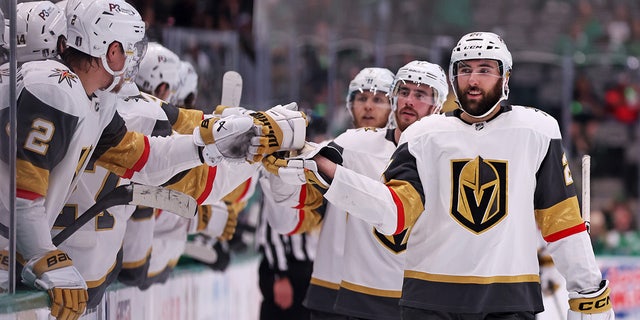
(67, 277)
(197, 139)
(291, 140)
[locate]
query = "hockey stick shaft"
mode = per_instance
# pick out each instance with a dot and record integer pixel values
(231, 89)
(133, 194)
(586, 191)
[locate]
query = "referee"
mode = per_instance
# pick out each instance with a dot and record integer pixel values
(287, 261)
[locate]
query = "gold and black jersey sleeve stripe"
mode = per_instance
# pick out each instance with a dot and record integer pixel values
(111, 136)
(556, 204)
(43, 137)
(196, 182)
(403, 181)
(186, 120)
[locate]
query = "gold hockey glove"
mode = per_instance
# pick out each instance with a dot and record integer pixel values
(54, 272)
(281, 128)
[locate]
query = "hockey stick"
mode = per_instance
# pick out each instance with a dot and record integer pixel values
(231, 89)
(586, 191)
(134, 194)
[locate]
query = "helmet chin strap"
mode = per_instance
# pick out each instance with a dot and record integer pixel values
(116, 75)
(484, 114)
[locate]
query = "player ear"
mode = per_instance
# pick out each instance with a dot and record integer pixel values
(114, 49)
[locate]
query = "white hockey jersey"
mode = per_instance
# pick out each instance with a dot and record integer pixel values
(59, 129)
(473, 196)
(96, 247)
(371, 277)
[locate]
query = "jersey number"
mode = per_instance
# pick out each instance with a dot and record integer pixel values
(39, 136)
(104, 220)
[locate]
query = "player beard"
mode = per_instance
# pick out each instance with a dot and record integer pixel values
(479, 106)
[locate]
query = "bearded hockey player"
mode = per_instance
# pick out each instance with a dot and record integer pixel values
(473, 186)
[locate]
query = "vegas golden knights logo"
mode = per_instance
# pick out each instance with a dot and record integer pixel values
(478, 193)
(395, 243)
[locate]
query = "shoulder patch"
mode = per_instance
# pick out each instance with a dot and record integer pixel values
(64, 75)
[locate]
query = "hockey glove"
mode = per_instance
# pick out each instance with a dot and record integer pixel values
(302, 169)
(209, 251)
(224, 111)
(281, 128)
(55, 273)
(224, 138)
(233, 209)
(591, 306)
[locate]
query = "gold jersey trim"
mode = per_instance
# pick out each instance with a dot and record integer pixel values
(125, 155)
(99, 282)
(471, 279)
(137, 264)
(326, 284)
(31, 178)
(559, 217)
(187, 120)
(371, 291)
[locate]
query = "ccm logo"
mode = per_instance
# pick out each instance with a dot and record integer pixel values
(594, 305)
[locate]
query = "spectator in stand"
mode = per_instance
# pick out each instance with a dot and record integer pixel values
(624, 238)
(623, 102)
(587, 111)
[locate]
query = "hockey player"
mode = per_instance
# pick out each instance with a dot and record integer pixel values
(419, 90)
(97, 258)
(158, 74)
(473, 185)
(368, 101)
(41, 28)
(188, 90)
(62, 115)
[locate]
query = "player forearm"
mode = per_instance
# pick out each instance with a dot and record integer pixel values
(167, 157)
(584, 276)
(228, 177)
(326, 166)
(33, 230)
(365, 198)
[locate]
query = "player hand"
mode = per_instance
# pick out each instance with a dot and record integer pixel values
(67, 289)
(591, 306)
(281, 128)
(302, 168)
(224, 138)
(283, 293)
